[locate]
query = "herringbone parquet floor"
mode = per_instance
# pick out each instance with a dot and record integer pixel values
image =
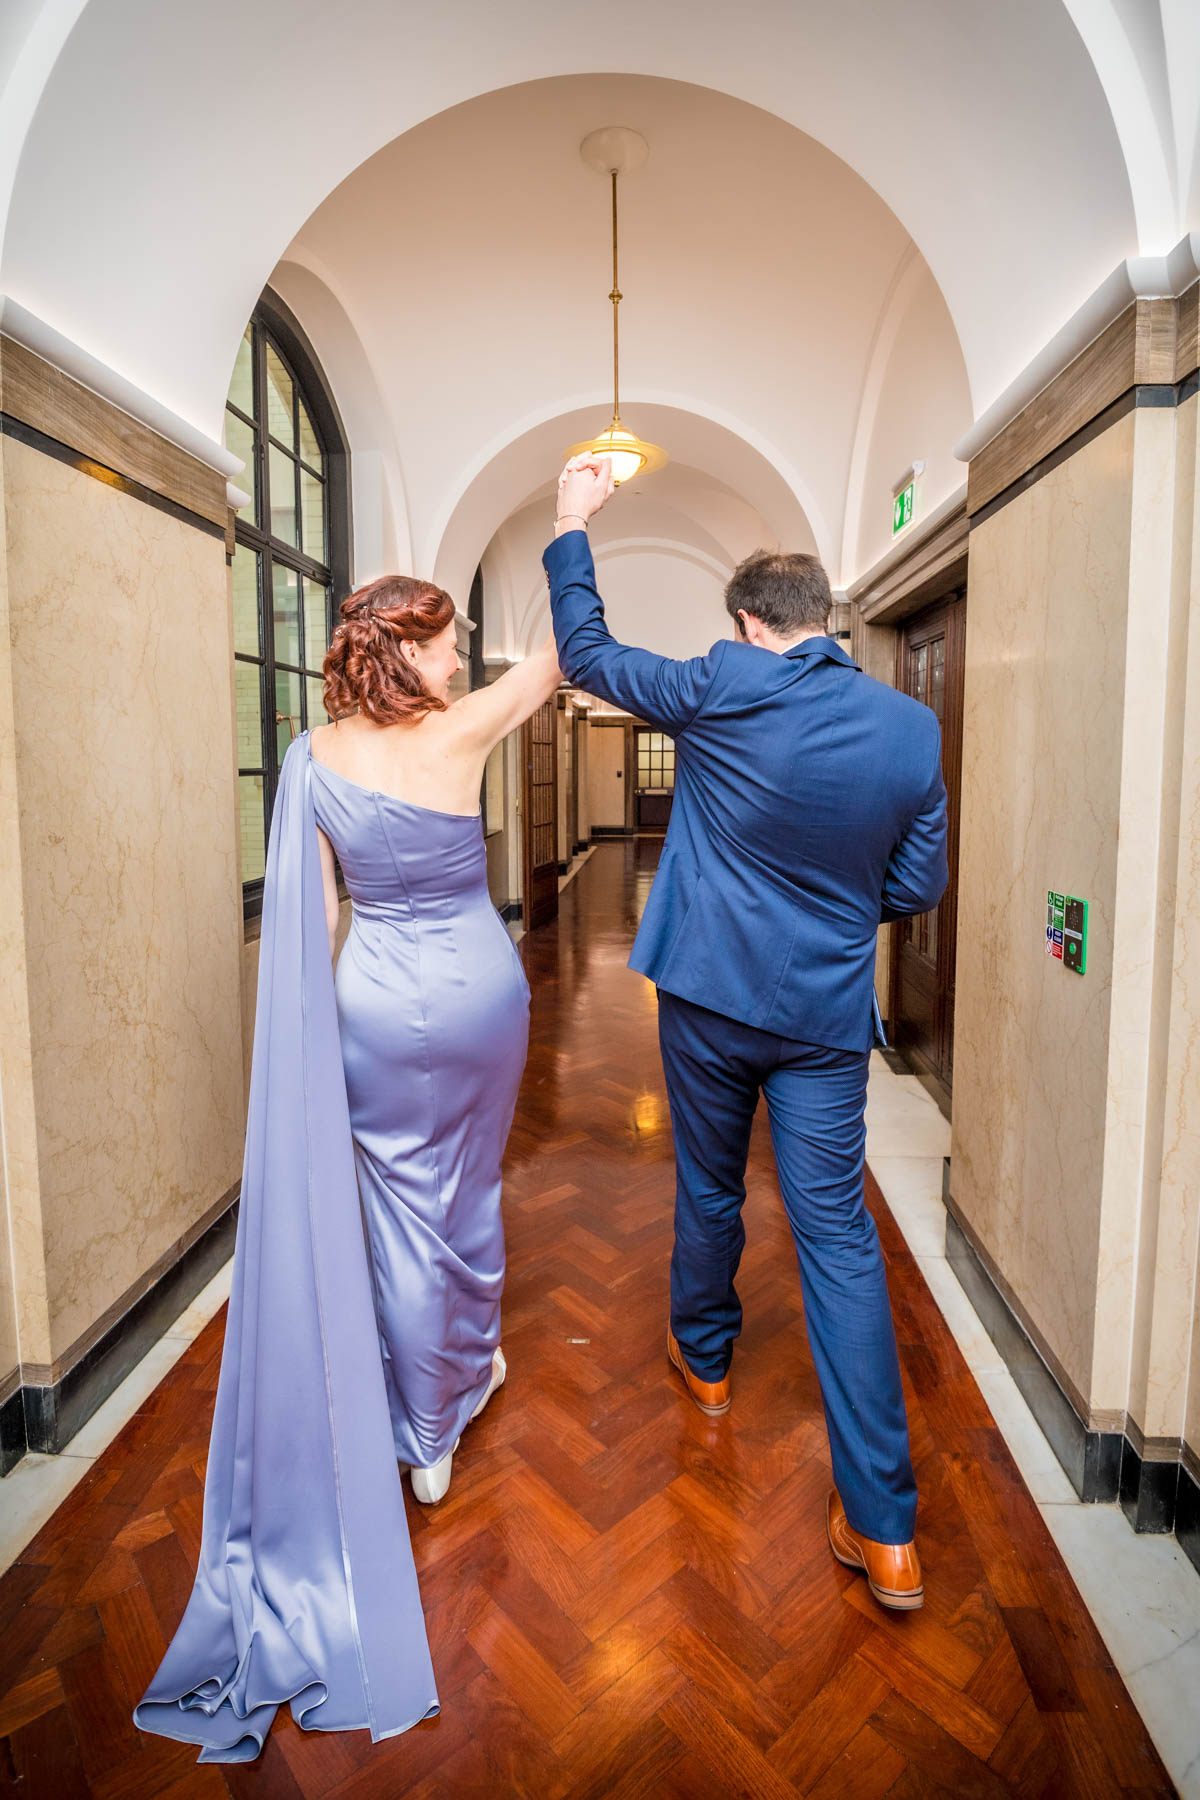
(623, 1597)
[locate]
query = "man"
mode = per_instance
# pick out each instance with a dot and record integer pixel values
(809, 806)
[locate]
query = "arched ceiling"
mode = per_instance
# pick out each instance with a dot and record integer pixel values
(472, 258)
(158, 159)
(664, 551)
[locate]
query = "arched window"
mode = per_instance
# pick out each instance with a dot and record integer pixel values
(291, 563)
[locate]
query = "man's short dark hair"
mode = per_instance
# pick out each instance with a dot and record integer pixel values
(787, 594)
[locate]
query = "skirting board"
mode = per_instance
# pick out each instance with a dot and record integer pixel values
(1102, 1466)
(47, 1418)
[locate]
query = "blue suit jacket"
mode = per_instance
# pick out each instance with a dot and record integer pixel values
(809, 806)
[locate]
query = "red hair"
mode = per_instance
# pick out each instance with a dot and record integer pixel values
(365, 667)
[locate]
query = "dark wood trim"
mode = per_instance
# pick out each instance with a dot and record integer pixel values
(108, 442)
(932, 563)
(931, 1057)
(1187, 343)
(539, 874)
(21, 433)
(1158, 397)
(1138, 348)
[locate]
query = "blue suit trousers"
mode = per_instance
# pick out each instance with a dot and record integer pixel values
(715, 1068)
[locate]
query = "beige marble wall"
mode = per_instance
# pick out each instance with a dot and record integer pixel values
(1144, 905)
(1076, 1154)
(1167, 1382)
(122, 715)
(1041, 788)
(18, 1154)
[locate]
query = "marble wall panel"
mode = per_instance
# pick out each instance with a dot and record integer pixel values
(1172, 1401)
(1127, 1295)
(18, 1147)
(1042, 746)
(121, 651)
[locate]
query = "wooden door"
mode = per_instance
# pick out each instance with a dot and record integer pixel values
(572, 783)
(654, 789)
(539, 807)
(930, 655)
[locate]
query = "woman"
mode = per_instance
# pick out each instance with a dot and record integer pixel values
(433, 1005)
(363, 1327)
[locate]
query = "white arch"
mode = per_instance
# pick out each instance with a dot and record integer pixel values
(1152, 87)
(36, 32)
(510, 471)
(909, 271)
(531, 624)
(382, 528)
(172, 257)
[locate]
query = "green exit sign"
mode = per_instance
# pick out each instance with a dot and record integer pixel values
(902, 507)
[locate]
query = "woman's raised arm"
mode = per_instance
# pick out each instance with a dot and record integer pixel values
(490, 713)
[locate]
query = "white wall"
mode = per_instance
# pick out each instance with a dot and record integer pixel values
(664, 549)
(914, 394)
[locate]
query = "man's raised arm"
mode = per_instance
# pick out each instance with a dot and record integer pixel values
(665, 692)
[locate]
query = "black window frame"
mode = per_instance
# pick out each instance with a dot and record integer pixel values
(274, 324)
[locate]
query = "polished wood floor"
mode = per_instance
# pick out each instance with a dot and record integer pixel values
(623, 1597)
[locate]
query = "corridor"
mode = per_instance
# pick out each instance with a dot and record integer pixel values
(623, 1598)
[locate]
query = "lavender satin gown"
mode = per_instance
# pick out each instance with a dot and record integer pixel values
(367, 1270)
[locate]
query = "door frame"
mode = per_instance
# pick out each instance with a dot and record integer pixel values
(948, 611)
(539, 889)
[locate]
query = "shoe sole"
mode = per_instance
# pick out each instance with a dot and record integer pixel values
(908, 1601)
(712, 1412)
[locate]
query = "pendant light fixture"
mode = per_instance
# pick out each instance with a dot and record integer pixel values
(613, 151)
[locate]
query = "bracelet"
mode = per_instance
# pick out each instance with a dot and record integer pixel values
(559, 517)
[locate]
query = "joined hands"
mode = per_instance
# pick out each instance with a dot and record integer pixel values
(584, 486)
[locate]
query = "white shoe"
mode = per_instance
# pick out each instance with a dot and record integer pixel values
(431, 1485)
(499, 1371)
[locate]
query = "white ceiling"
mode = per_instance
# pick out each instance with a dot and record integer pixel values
(178, 150)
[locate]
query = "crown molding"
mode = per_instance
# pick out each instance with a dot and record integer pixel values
(25, 328)
(1137, 278)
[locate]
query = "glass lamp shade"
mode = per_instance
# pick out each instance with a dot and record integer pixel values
(630, 455)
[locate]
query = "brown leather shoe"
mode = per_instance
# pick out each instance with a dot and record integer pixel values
(893, 1571)
(712, 1397)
